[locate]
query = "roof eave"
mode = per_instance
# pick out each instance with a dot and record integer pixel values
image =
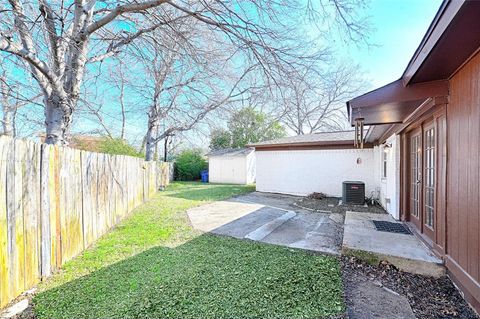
(323, 143)
(396, 93)
(440, 23)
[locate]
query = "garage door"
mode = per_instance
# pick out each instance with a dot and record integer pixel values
(230, 170)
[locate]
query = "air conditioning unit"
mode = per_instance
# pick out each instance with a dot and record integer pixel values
(353, 193)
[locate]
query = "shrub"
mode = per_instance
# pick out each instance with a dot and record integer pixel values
(220, 139)
(189, 164)
(117, 146)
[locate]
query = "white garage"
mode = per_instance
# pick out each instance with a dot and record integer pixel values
(304, 164)
(232, 166)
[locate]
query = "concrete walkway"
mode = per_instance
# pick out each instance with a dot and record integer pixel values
(407, 252)
(273, 219)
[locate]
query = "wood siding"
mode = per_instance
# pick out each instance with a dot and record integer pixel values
(463, 200)
(441, 179)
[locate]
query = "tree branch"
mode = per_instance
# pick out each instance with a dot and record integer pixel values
(18, 50)
(134, 7)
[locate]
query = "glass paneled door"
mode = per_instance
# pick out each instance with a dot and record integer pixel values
(415, 154)
(429, 173)
(422, 178)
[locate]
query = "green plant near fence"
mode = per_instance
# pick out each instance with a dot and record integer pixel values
(189, 164)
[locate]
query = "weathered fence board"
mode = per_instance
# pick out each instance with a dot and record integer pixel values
(31, 212)
(15, 219)
(47, 235)
(56, 201)
(4, 283)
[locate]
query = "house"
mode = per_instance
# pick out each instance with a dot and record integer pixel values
(425, 128)
(300, 165)
(89, 143)
(232, 166)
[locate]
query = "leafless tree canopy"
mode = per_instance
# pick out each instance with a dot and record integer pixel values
(14, 95)
(314, 101)
(64, 44)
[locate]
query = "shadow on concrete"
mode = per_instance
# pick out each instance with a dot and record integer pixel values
(270, 218)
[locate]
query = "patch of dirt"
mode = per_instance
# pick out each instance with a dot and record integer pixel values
(322, 205)
(316, 195)
(331, 204)
(28, 313)
(428, 297)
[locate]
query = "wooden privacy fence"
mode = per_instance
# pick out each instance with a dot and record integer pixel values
(56, 201)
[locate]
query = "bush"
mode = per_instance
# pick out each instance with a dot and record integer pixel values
(117, 146)
(189, 164)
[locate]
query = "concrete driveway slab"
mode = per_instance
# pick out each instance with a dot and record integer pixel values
(212, 216)
(245, 225)
(269, 227)
(271, 218)
(310, 231)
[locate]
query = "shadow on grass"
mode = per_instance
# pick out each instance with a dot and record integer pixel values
(206, 192)
(207, 277)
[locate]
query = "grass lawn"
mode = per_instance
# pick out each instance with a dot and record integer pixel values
(153, 265)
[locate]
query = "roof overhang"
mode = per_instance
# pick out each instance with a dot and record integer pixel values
(231, 152)
(451, 40)
(394, 102)
(346, 144)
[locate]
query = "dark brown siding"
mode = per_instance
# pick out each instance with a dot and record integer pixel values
(441, 193)
(463, 207)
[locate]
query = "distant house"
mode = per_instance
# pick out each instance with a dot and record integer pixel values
(233, 166)
(300, 165)
(429, 121)
(83, 142)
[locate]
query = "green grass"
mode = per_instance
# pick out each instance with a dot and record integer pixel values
(153, 265)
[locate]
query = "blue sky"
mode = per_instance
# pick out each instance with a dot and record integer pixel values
(399, 28)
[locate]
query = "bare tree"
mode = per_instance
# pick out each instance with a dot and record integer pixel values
(58, 39)
(13, 96)
(183, 94)
(314, 101)
(188, 78)
(9, 108)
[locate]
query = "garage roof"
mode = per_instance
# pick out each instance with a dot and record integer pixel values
(317, 140)
(230, 152)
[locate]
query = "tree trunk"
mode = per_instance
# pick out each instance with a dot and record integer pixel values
(165, 149)
(151, 138)
(8, 119)
(58, 116)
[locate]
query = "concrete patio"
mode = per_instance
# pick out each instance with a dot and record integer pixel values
(407, 252)
(274, 219)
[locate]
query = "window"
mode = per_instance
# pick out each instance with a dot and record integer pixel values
(384, 161)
